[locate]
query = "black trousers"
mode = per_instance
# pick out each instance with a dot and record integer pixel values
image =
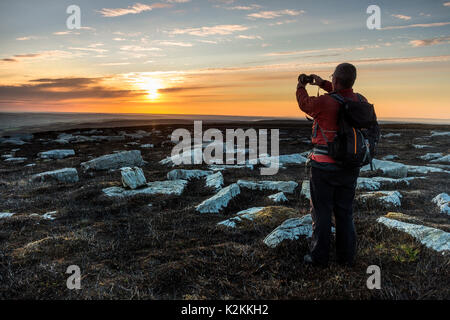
(333, 191)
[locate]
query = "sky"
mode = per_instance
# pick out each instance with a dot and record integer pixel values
(220, 57)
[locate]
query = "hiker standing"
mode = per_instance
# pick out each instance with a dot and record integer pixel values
(334, 167)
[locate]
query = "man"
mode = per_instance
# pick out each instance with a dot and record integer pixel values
(332, 187)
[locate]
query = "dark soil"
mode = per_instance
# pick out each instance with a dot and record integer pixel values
(128, 250)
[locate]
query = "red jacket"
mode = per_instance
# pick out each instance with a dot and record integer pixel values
(324, 110)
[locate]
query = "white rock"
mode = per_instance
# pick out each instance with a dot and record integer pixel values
(133, 177)
(18, 160)
(290, 229)
(444, 159)
(424, 169)
(431, 156)
(248, 214)
(282, 186)
(183, 158)
(215, 181)
(30, 165)
(392, 135)
(114, 161)
(220, 200)
(432, 238)
(147, 146)
(187, 174)
(7, 156)
(376, 183)
(440, 133)
(6, 215)
(49, 215)
(420, 146)
(172, 187)
(443, 202)
(218, 167)
(102, 138)
(62, 175)
(283, 160)
(389, 168)
(278, 197)
(390, 157)
(13, 141)
(56, 154)
(306, 189)
(387, 199)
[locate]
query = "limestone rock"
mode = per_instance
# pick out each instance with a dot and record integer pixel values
(133, 177)
(56, 154)
(432, 238)
(172, 187)
(67, 175)
(220, 200)
(278, 197)
(187, 174)
(443, 202)
(215, 181)
(306, 191)
(282, 186)
(114, 161)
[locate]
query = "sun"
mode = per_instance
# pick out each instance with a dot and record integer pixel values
(152, 85)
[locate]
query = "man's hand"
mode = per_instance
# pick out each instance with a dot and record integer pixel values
(318, 81)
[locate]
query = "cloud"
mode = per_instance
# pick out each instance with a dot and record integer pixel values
(89, 49)
(134, 9)
(63, 89)
(274, 14)
(178, 44)
(178, 1)
(401, 17)
(139, 48)
(419, 25)
(43, 54)
(429, 42)
(245, 8)
(446, 4)
(225, 29)
(241, 36)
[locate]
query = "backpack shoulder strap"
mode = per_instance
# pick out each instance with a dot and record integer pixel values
(337, 97)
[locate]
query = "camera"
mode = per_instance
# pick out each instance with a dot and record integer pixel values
(304, 79)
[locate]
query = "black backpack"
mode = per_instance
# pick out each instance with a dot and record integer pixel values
(358, 134)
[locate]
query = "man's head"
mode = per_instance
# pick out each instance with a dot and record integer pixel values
(344, 76)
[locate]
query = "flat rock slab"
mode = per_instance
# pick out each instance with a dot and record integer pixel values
(215, 181)
(114, 161)
(248, 214)
(133, 177)
(440, 134)
(67, 175)
(282, 186)
(306, 189)
(389, 168)
(17, 160)
(376, 183)
(187, 174)
(432, 238)
(219, 201)
(444, 159)
(278, 197)
(172, 187)
(56, 154)
(431, 156)
(386, 199)
(283, 160)
(290, 229)
(4, 215)
(443, 202)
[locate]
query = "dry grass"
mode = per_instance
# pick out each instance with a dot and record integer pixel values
(128, 250)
